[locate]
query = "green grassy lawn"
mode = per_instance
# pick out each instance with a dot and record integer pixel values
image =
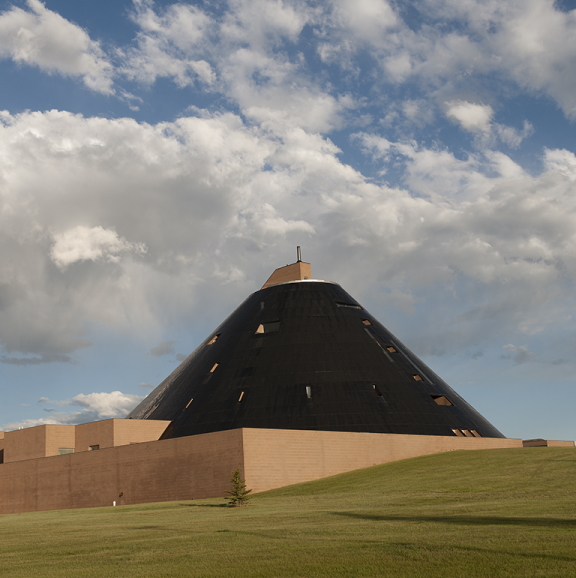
(454, 515)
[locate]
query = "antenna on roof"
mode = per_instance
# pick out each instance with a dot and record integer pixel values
(298, 254)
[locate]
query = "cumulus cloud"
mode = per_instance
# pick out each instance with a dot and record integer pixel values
(561, 161)
(478, 119)
(511, 136)
(94, 406)
(170, 45)
(256, 52)
(209, 196)
(90, 244)
(42, 38)
(107, 405)
(238, 54)
(451, 46)
(471, 116)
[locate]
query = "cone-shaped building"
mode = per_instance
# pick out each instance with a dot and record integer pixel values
(303, 354)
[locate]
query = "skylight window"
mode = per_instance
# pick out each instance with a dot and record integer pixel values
(468, 433)
(269, 327)
(440, 399)
(349, 305)
(213, 340)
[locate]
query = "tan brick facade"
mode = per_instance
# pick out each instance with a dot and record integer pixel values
(197, 466)
(176, 469)
(276, 458)
(47, 440)
(537, 443)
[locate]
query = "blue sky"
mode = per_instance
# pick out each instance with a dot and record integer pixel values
(159, 159)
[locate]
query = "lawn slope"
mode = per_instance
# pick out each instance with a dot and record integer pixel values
(508, 512)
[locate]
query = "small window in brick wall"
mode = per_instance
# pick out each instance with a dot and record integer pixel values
(64, 451)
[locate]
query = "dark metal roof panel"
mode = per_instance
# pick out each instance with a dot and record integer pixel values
(327, 365)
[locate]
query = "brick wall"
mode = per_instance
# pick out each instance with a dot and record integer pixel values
(201, 466)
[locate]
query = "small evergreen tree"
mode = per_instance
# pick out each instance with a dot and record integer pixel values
(238, 492)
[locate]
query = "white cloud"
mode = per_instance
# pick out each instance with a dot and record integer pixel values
(107, 405)
(561, 161)
(370, 20)
(183, 25)
(478, 119)
(472, 117)
(236, 54)
(511, 136)
(95, 406)
(529, 41)
(538, 45)
(455, 45)
(42, 38)
(216, 203)
(152, 60)
(173, 44)
(264, 23)
(90, 244)
(252, 52)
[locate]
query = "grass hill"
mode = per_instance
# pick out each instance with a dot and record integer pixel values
(467, 514)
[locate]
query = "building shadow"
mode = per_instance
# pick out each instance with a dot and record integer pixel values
(467, 520)
(204, 505)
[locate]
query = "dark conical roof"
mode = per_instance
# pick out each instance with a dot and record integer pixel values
(305, 355)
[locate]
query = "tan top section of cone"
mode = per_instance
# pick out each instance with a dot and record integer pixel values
(295, 272)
